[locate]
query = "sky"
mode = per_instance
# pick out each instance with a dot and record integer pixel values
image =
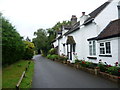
(29, 15)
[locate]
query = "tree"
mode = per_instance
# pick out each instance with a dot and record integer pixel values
(12, 44)
(29, 50)
(41, 40)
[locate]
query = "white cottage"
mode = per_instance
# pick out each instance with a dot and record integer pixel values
(95, 36)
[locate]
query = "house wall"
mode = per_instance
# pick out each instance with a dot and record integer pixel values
(109, 14)
(119, 49)
(55, 43)
(114, 51)
(80, 37)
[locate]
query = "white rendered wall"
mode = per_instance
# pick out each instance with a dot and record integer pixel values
(119, 50)
(114, 51)
(109, 14)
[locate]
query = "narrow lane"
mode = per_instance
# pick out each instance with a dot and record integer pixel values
(50, 74)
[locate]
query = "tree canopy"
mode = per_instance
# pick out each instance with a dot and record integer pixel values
(12, 44)
(44, 37)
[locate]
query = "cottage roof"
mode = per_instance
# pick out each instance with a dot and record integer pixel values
(96, 12)
(111, 30)
(73, 28)
(70, 40)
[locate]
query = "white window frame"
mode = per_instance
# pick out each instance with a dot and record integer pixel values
(92, 48)
(104, 43)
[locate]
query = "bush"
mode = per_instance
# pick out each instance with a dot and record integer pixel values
(48, 56)
(63, 58)
(83, 63)
(102, 67)
(53, 57)
(77, 61)
(113, 70)
(92, 65)
(29, 50)
(52, 51)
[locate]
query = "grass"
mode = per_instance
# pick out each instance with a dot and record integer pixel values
(27, 81)
(11, 74)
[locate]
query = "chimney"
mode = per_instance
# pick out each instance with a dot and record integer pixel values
(83, 13)
(73, 20)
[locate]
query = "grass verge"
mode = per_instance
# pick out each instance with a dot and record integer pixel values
(11, 74)
(27, 81)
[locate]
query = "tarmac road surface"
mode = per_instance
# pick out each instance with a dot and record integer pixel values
(51, 74)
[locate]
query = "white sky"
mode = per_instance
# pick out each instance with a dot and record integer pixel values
(29, 15)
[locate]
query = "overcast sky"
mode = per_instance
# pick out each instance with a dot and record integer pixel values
(29, 15)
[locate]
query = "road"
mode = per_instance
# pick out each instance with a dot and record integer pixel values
(51, 74)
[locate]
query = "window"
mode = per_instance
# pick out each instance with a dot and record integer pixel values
(118, 10)
(105, 48)
(108, 50)
(74, 45)
(64, 48)
(92, 48)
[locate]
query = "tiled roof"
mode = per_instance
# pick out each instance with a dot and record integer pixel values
(74, 28)
(112, 30)
(96, 11)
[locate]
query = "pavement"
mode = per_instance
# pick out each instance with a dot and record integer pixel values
(51, 74)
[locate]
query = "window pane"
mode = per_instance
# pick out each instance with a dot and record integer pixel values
(101, 44)
(90, 49)
(108, 50)
(102, 50)
(94, 48)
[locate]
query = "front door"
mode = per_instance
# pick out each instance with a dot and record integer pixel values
(69, 51)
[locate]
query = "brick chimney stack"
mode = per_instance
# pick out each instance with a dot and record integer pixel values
(73, 20)
(83, 13)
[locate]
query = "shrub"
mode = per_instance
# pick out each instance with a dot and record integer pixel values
(77, 61)
(92, 65)
(102, 67)
(54, 57)
(62, 58)
(52, 51)
(48, 56)
(83, 63)
(113, 70)
(29, 50)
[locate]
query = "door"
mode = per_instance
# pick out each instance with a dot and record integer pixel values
(69, 51)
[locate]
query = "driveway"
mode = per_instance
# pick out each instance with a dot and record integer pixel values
(51, 74)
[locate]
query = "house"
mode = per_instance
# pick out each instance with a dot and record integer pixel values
(93, 37)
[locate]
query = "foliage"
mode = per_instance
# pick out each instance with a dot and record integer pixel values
(102, 67)
(52, 51)
(29, 50)
(48, 56)
(41, 41)
(62, 58)
(27, 81)
(53, 57)
(44, 37)
(77, 61)
(83, 63)
(12, 44)
(113, 70)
